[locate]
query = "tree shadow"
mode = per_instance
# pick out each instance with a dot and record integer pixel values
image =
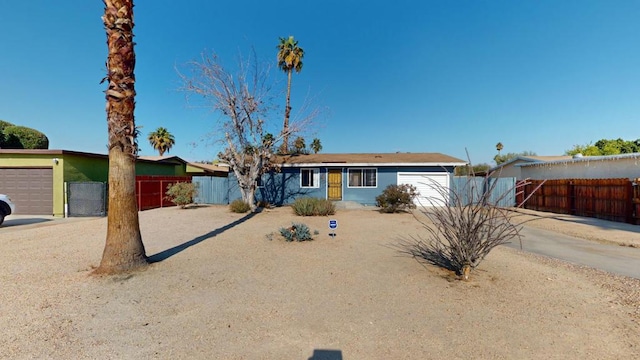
(322, 354)
(163, 255)
(424, 252)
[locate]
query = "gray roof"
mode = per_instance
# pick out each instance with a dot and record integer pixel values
(532, 159)
(576, 159)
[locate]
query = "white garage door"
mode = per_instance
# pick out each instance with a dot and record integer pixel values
(430, 187)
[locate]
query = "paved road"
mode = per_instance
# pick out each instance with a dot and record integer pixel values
(616, 259)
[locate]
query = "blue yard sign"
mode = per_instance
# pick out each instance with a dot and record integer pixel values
(333, 224)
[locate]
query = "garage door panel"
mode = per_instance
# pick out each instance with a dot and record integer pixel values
(30, 188)
(433, 188)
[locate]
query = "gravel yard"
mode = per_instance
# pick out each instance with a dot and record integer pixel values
(220, 289)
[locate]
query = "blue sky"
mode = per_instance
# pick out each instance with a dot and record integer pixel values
(409, 76)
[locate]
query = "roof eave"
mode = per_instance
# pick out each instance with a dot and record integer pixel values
(344, 164)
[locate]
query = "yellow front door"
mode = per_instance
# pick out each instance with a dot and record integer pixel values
(334, 185)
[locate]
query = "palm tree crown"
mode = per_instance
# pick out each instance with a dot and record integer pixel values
(290, 55)
(161, 140)
(316, 146)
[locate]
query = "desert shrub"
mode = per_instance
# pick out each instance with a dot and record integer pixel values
(308, 206)
(239, 206)
(397, 198)
(181, 193)
(324, 207)
(297, 232)
(21, 137)
(462, 232)
(264, 204)
(304, 206)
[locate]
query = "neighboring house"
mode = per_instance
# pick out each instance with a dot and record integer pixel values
(217, 170)
(35, 179)
(585, 167)
(354, 177)
(512, 168)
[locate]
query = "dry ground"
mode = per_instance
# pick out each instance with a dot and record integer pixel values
(222, 290)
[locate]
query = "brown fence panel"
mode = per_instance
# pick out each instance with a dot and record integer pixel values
(609, 199)
(150, 190)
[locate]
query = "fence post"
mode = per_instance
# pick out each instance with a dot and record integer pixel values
(629, 203)
(570, 198)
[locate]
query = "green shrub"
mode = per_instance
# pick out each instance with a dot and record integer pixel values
(297, 232)
(308, 206)
(21, 137)
(397, 198)
(181, 193)
(239, 206)
(4, 124)
(304, 206)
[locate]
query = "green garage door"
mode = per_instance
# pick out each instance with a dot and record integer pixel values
(31, 189)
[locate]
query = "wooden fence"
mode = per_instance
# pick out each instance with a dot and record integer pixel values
(150, 190)
(609, 199)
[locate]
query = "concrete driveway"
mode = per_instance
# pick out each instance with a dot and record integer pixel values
(622, 260)
(20, 222)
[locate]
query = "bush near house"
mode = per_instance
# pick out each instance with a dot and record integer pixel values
(239, 206)
(308, 206)
(397, 198)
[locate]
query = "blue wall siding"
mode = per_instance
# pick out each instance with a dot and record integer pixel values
(281, 188)
(367, 195)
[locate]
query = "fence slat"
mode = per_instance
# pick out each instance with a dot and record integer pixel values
(608, 199)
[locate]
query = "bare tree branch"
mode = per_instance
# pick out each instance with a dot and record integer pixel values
(245, 101)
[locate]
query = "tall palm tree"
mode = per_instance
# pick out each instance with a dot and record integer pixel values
(499, 147)
(300, 145)
(161, 140)
(124, 250)
(289, 58)
(316, 146)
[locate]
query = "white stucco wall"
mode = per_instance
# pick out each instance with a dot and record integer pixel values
(509, 170)
(598, 167)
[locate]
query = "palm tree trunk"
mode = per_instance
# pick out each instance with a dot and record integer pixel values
(124, 250)
(287, 113)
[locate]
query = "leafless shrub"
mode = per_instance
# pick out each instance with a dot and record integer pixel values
(463, 225)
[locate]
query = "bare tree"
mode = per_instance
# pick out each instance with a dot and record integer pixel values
(244, 99)
(464, 224)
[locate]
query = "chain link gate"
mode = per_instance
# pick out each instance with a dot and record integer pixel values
(87, 198)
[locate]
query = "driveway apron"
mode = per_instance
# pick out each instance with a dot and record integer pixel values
(622, 260)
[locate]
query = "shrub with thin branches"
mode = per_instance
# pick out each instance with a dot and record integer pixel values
(464, 228)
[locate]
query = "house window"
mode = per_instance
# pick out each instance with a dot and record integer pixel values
(363, 178)
(310, 178)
